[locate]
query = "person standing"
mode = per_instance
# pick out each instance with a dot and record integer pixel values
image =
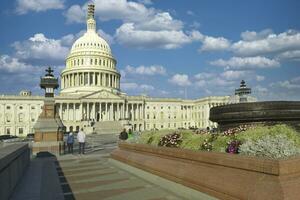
(70, 142)
(130, 134)
(123, 135)
(81, 141)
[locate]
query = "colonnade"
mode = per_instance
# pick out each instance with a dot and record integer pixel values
(90, 79)
(101, 111)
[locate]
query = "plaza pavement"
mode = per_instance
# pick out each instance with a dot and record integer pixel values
(93, 176)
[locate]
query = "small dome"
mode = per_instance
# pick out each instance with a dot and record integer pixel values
(25, 93)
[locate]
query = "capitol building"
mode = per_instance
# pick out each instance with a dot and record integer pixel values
(90, 97)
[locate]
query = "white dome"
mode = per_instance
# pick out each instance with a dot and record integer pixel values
(90, 65)
(90, 41)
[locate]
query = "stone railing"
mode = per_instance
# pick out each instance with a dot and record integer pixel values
(14, 160)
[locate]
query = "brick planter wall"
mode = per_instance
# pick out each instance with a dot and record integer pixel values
(221, 175)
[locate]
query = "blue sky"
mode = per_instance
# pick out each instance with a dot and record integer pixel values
(163, 47)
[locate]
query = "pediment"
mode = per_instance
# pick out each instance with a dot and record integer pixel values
(103, 94)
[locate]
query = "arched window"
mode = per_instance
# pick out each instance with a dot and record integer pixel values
(96, 60)
(91, 61)
(81, 61)
(100, 62)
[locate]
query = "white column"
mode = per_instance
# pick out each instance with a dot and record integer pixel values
(74, 112)
(60, 110)
(80, 111)
(127, 112)
(93, 111)
(88, 110)
(106, 112)
(100, 111)
(68, 111)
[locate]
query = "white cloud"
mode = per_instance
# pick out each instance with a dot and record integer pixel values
(180, 80)
(160, 21)
(24, 6)
(13, 65)
(236, 75)
(146, 2)
(259, 78)
(204, 75)
(252, 35)
(246, 63)
(189, 12)
(136, 87)
(214, 44)
(144, 70)
(110, 10)
(128, 35)
(107, 37)
(293, 55)
(75, 14)
(271, 43)
(287, 85)
(41, 47)
(142, 27)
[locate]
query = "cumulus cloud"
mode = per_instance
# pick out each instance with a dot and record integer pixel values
(246, 63)
(289, 55)
(112, 10)
(136, 87)
(75, 14)
(144, 70)
(252, 35)
(129, 35)
(259, 78)
(41, 47)
(12, 65)
(180, 80)
(142, 27)
(270, 43)
(236, 75)
(107, 37)
(24, 6)
(214, 44)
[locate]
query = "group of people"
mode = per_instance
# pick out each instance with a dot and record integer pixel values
(81, 141)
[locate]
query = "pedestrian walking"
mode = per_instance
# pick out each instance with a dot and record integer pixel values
(70, 142)
(123, 135)
(81, 141)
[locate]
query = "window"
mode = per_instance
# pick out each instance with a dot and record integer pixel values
(32, 108)
(81, 61)
(162, 107)
(162, 126)
(96, 61)
(7, 131)
(147, 107)
(21, 117)
(148, 116)
(21, 107)
(154, 107)
(8, 107)
(174, 125)
(21, 131)
(154, 116)
(169, 107)
(91, 61)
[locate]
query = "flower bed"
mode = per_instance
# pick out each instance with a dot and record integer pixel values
(280, 141)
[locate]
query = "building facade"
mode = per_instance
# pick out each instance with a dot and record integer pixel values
(90, 95)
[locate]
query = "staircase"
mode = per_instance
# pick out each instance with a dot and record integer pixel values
(108, 127)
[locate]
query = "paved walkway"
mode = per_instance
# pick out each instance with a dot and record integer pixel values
(93, 177)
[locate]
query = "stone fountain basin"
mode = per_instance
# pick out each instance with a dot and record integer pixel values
(267, 112)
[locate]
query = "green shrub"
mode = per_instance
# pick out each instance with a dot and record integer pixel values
(270, 146)
(262, 131)
(221, 143)
(192, 141)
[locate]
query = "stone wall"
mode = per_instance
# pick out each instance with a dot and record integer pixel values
(14, 160)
